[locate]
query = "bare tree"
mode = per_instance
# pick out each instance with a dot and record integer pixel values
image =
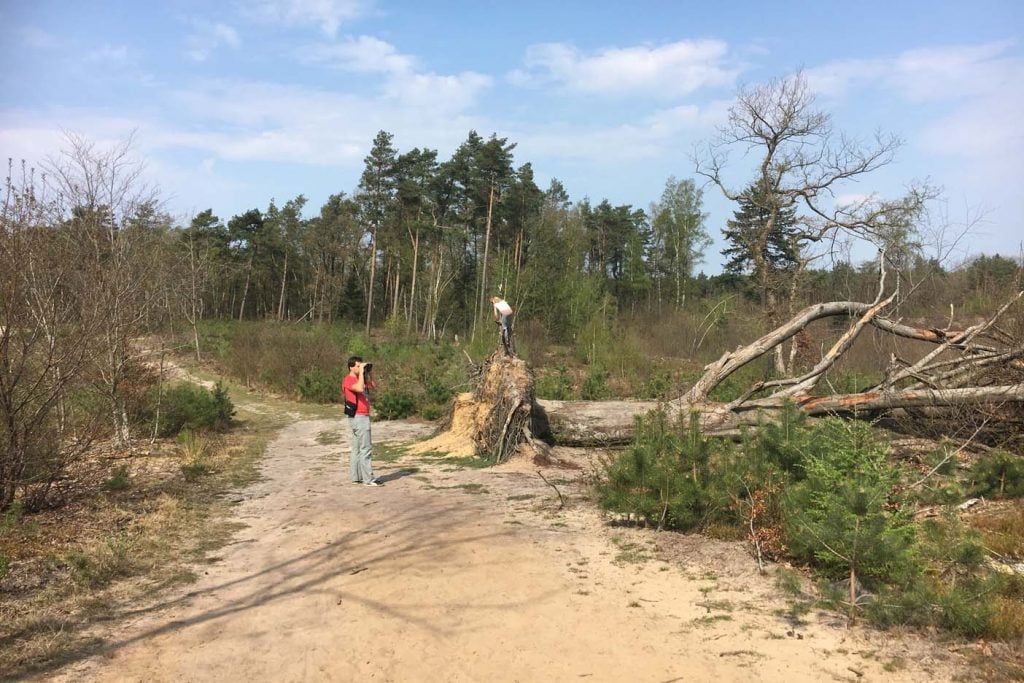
(46, 345)
(110, 210)
(802, 163)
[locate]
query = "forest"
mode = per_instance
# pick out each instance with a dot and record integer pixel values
(100, 288)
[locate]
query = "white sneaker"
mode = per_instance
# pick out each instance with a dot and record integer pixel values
(372, 482)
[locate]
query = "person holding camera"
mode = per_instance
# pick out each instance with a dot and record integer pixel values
(357, 409)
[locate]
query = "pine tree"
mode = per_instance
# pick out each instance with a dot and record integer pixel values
(376, 190)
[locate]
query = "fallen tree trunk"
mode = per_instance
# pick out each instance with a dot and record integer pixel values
(613, 423)
(979, 366)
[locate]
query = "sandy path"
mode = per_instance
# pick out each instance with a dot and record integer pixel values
(448, 574)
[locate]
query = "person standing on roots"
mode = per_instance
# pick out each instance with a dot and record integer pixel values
(503, 316)
(357, 409)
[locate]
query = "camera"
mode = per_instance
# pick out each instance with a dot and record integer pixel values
(367, 367)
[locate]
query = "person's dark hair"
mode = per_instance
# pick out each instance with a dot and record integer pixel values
(352, 360)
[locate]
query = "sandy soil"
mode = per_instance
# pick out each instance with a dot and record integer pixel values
(453, 574)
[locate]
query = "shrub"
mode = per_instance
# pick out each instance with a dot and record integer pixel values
(187, 406)
(118, 481)
(555, 386)
(196, 450)
(840, 518)
(747, 490)
(99, 566)
(658, 386)
(783, 443)
(595, 385)
(998, 474)
(662, 478)
(395, 404)
(320, 386)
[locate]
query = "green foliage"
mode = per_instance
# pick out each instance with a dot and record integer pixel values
(555, 386)
(658, 386)
(191, 407)
(840, 518)
(595, 384)
(394, 405)
(783, 443)
(998, 474)
(662, 478)
(196, 449)
(118, 481)
(320, 386)
(97, 567)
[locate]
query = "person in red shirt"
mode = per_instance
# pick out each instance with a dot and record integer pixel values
(354, 387)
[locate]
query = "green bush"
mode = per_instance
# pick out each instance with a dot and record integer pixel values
(840, 518)
(187, 406)
(595, 385)
(320, 386)
(118, 481)
(783, 443)
(395, 404)
(998, 474)
(662, 478)
(658, 386)
(555, 386)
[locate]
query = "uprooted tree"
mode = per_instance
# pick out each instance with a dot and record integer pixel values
(980, 365)
(802, 167)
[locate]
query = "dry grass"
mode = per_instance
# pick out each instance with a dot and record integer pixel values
(1001, 529)
(112, 548)
(1008, 620)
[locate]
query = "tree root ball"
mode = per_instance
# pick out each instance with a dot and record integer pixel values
(494, 420)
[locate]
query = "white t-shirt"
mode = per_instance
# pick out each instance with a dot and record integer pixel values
(502, 307)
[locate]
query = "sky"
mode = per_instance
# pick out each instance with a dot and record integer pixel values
(233, 104)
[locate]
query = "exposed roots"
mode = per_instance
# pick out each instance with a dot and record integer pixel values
(494, 420)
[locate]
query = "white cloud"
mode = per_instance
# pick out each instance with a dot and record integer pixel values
(673, 69)
(275, 122)
(936, 73)
(438, 93)
(363, 54)
(660, 134)
(207, 37)
(403, 82)
(968, 112)
(117, 55)
(38, 39)
(328, 14)
(980, 82)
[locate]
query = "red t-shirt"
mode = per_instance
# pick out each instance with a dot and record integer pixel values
(357, 397)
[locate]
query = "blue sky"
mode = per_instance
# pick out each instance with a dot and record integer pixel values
(235, 103)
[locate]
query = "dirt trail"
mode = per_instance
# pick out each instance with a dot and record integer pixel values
(450, 574)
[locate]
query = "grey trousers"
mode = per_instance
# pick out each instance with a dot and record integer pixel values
(360, 464)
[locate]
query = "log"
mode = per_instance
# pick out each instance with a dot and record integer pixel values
(588, 423)
(613, 423)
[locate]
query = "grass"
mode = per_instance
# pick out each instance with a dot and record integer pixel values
(330, 437)
(1001, 530)
(384, 452)
(462, 462)
(629, 552)
(102, 554)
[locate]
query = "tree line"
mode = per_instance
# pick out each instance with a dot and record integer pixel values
(90, 261)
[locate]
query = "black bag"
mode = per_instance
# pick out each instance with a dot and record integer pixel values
(350, 408)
